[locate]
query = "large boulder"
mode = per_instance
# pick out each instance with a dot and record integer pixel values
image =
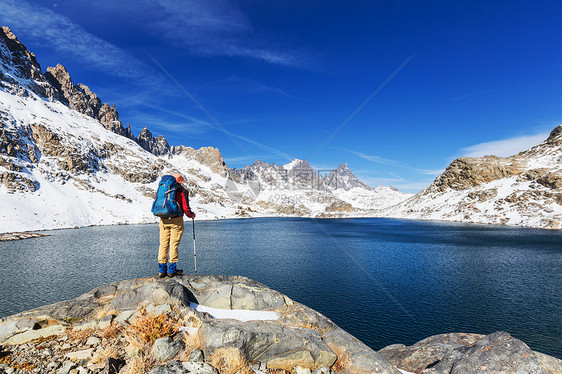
(280, 347)
(496, 353)
(233, 292)
(354, 356)
(427, 352)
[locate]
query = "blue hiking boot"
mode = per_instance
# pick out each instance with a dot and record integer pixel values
(162, 270)
(172, 271)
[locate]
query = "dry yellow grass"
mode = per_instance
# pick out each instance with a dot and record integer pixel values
(135, 344)
(103, 356)
(190, 319)
(110, 332)
(150, 326)
(80, 335)
(230, 361)
(191, 342)
(140, 364)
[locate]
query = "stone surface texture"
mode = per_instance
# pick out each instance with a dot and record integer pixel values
(470, 354)
(74, 334)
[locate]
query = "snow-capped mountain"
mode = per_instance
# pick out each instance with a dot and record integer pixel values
(297, 181)
(524, 189)
(343, 178)
(66, 160)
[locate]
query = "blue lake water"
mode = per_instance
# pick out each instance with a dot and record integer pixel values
(385, 281)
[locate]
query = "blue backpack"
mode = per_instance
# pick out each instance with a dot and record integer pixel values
(165, 204)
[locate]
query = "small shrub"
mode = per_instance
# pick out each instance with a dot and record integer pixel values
(230, 361)
(110, 332)
(190, 319)
(191, 342)
(140, 364)
(150, 326)
(107, 353)
(80, 335)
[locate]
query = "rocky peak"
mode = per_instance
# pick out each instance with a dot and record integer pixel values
(78, 97)
(297, 164)
(301, 173)
(19, 69)
(467, 172)
(555, 137)
(208, 156)
(16, 54)
(158, 146)
(343, 177)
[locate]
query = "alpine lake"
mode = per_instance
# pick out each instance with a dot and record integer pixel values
(385, 281)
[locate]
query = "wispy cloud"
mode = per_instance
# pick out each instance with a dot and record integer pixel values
(248, 158)
(466, 96)
(66, 37)
(431, 172)
(266, 147)
(504, 147)
(395, 180)
(376, 159)
(255, 87)
(206, 27)
(387, 162)
(182, 124)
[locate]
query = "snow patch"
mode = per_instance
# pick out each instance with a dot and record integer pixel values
(238, 314)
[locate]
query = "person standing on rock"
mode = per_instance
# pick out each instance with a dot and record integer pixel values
(171, 231)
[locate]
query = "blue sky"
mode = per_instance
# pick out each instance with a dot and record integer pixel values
(397, 89)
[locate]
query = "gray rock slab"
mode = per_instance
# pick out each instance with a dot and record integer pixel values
(93, 341)
(30, 335)
(281, 347)
(184, 368)
(156, 292)
(11, 327)
(426, 352)
(301, 315)
(166, 348)
(233, 292)
(357, 357)
(66, 367)
(496, 353)
(196, 356)
(125, 316)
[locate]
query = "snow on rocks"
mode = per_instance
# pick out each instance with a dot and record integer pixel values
(523, 190)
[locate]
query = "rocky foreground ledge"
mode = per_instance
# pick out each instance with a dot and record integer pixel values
(165, 326)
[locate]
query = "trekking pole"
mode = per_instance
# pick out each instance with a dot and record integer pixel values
(194, 250)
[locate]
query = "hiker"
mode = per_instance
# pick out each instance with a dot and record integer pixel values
(171, 231)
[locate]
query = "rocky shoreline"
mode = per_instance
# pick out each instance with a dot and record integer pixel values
(19, 236)
(228, 325)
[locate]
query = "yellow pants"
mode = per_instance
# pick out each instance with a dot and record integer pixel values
(171, 231)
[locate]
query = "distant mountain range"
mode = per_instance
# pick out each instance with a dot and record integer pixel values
(66, 160)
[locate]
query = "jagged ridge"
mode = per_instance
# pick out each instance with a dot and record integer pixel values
(56, 84)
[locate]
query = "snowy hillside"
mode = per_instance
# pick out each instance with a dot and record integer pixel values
(524, 189)
(66, 160)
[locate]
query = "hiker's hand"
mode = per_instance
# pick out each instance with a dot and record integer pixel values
(190, 214)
